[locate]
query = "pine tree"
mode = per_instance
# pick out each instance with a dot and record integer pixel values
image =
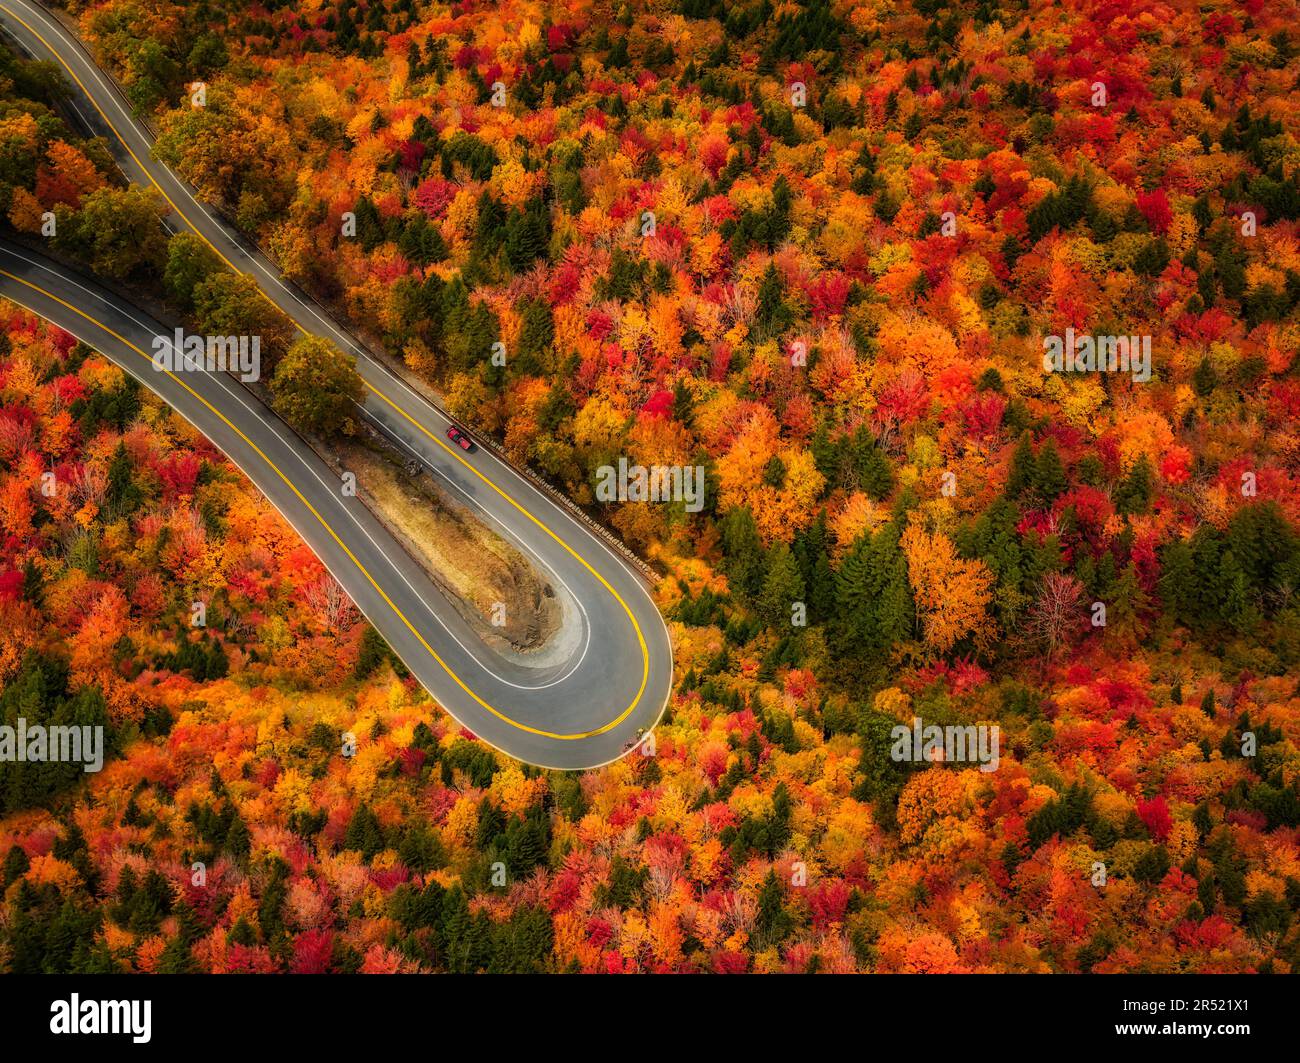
(1238, 604)
(421, 242)
(489, 225)
(526, 845)
(994, 540)
(1265, 546)
(826, 452)
(469, 330)
(1020, 477)
(238, 840)
(122, 495)
(782, 587)
(1049, 474)
(1176, 584)
(16, 865)
(1133, 495)
(1204, 379)
(188, 927)
(177, 958)
(1128, 602)
(870, 465)
(1209, 592)
(873, 597)
(455, 304)
(242, 933)
(525, 237)
(815, 568)
(743, 552)
(897, 611)
(773, 921)
(536, 334)
(491, 824)
(370, 229)
(772, 313)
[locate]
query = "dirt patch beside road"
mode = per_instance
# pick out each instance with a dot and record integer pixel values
(487, 578)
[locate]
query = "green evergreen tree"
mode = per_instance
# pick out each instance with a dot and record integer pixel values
(1133, 495)
(782, 586)
(1237, 604)
(16, 865)
(1209, 592)
(536, 334)
(1049, 474)
(526, 845)
(743, 554)
(869, 464)
(874, 598)
(810, 551)
(772, 314)
(122, 495)
(773, 922)
(1128, 602)
(1204, 379)
(1020, 477)
(1177, 583)
(177, 958)
(994, 540)
(526, 234)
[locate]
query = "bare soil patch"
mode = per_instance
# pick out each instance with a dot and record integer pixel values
(483, 575)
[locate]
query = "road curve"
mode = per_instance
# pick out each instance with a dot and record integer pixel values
(580, 712)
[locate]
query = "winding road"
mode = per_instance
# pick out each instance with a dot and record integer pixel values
(584, 710)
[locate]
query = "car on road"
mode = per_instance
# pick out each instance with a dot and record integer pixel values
(461, 439)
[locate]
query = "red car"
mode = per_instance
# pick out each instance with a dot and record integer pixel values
(460, 439)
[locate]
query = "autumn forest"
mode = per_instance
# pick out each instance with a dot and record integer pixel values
(823, 250)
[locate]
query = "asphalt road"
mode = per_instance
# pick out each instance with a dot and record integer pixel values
(577, 712)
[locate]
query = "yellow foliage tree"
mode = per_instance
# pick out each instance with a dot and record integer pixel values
(951, 593)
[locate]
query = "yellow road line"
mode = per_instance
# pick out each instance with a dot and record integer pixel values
(73, 74)
(362, 568)
(645, 653)
(474, 469)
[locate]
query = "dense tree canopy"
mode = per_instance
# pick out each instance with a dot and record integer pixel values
(817, 249)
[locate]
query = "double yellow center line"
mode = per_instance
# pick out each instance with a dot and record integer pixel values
(645, 653)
